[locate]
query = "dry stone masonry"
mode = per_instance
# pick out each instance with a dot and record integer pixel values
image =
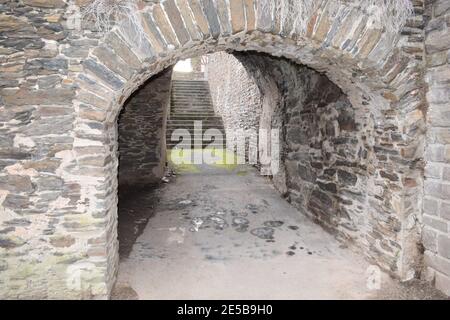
(64, 82)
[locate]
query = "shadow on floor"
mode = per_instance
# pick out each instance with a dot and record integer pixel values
(136, 207)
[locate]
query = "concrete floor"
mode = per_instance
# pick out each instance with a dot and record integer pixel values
(221, 233)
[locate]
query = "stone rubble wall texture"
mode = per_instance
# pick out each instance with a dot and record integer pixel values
(63, 85)
(436, 201)
(142, 132)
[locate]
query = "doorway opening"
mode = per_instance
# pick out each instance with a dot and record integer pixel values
(221, 229)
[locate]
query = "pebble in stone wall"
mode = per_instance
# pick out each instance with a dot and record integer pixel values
(436, 204)
(142, 123)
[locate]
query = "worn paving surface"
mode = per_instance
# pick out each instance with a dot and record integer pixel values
(222, 233)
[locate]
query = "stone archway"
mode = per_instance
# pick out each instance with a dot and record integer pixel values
(341, 40)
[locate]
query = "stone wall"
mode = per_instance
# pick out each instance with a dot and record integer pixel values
(436, 204)
(142, 132)
(40, 238)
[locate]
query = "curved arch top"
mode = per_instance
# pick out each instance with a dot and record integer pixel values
(339, 38)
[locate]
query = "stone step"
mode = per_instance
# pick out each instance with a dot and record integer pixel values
(196, 86)
(191, 127)
(206, 119)
(169, 141)
(189, 97)
(190, 94)
(196, 110)
(187, 110)
(183, 84)
(176, 91)
(204, 92)
(193, 102)
(194, 142)
(193, 139)
(186, 98)
(196, 139)
(195, 113)
(184, 106)
(188, 147)
(201, 116)
(190, 123)
(188, 75)
(189, 82)
(190, 120)
(193, 116)
(201, 88)
(190, 90)
(177, 138)
(191, 130)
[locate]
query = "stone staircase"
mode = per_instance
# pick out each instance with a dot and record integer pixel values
(191, 101)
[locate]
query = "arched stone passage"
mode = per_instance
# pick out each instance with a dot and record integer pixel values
(341, 40)
(368, 72)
